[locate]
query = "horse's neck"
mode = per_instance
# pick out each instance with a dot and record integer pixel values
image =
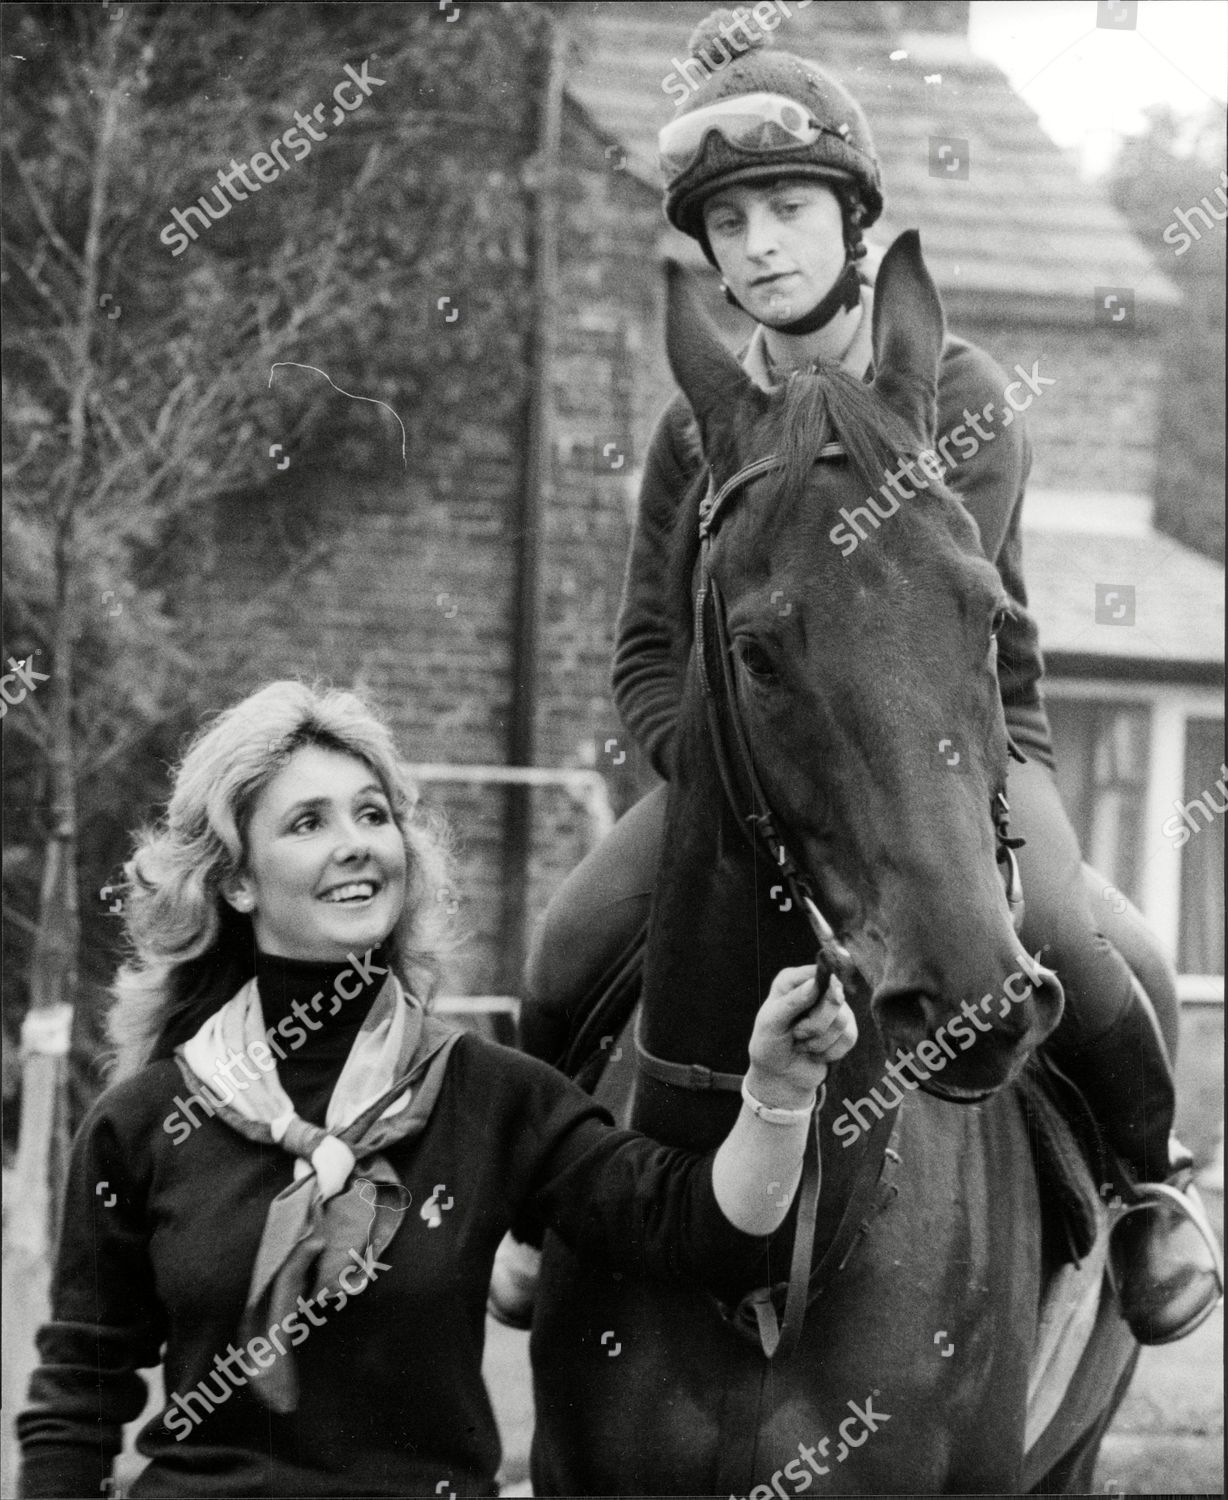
(719, 935)
(703, 961)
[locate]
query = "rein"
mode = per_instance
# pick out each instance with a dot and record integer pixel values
(779, 1334)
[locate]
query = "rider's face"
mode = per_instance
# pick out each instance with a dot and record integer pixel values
(779, 247)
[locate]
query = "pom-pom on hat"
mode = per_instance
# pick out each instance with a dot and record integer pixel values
(741, 60)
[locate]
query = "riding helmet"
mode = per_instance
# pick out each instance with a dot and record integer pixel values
(843, 156)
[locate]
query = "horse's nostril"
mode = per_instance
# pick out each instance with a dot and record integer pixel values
(905, 1014)
(1049, 1000)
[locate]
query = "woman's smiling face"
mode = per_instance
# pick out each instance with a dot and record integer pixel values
(326, 863)
(779, 247)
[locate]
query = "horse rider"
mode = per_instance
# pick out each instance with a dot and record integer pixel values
(771, 167)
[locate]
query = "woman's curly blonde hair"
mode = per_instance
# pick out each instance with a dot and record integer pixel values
(190, 951)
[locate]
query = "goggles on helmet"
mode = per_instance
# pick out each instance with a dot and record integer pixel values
(748, 122)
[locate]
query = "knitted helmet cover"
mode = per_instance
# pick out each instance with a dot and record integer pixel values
(850, 160)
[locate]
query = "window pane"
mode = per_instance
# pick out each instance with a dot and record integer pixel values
(1120, 794)
(1074, 728)
(1102, 757)
(1201, 946)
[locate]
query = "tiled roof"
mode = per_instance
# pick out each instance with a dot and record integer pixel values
(1074, 556)
(1022, 233)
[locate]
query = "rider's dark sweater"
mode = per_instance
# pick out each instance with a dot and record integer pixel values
(647, 665)
(161, 1233)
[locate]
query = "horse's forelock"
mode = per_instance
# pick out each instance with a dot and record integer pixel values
(828, 405)
(812, 409)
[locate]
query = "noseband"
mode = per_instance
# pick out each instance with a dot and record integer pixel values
(776, 1334)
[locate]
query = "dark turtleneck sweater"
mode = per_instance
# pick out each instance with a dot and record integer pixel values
(391, 1401)
(297, 994)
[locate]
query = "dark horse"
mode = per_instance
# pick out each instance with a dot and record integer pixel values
(865, 691)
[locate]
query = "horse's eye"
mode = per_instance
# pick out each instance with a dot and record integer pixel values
(1000, 617)
(756, 660)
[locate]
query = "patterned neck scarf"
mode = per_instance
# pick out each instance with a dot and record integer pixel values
(345, 1202)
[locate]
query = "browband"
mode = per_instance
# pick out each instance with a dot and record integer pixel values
(710, 506)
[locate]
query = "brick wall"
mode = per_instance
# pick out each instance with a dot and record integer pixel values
(406, 583)
(409, 593)
(610, 307)
(1096, 428)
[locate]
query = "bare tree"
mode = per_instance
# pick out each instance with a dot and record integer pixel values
(133, 404)
(139, 417)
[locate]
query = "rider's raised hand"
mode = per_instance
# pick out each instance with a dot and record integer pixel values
(797, 1036)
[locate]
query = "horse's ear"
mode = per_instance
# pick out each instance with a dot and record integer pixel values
(708, 374)
(908, 334)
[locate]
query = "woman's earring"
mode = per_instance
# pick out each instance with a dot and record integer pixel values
(243, 903)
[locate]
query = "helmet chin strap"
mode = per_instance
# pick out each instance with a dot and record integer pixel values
(844, 295)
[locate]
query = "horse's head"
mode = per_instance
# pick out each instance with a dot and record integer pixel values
(865, 678)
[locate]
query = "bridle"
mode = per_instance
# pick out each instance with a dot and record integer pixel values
(776, 1334)
(833, 958)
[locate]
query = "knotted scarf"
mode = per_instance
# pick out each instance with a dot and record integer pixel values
(345, 1202)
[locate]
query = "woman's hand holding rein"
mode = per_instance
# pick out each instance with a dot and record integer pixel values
(796, 1037)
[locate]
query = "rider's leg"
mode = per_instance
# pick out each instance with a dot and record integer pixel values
(1110, 1043)
(595, 914)
(1127, 930)
(1106, 1038)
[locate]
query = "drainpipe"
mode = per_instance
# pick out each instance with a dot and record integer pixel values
(540, 175)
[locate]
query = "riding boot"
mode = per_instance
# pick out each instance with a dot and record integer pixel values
(1163, 1254)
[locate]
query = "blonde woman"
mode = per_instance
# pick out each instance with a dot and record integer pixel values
(292, 1194)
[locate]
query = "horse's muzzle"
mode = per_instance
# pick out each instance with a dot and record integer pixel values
(964, 1053)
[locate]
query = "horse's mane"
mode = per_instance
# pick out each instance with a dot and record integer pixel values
(814, 408)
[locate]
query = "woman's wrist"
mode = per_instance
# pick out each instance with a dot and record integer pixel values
(790, 1118)
(774, 1092)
